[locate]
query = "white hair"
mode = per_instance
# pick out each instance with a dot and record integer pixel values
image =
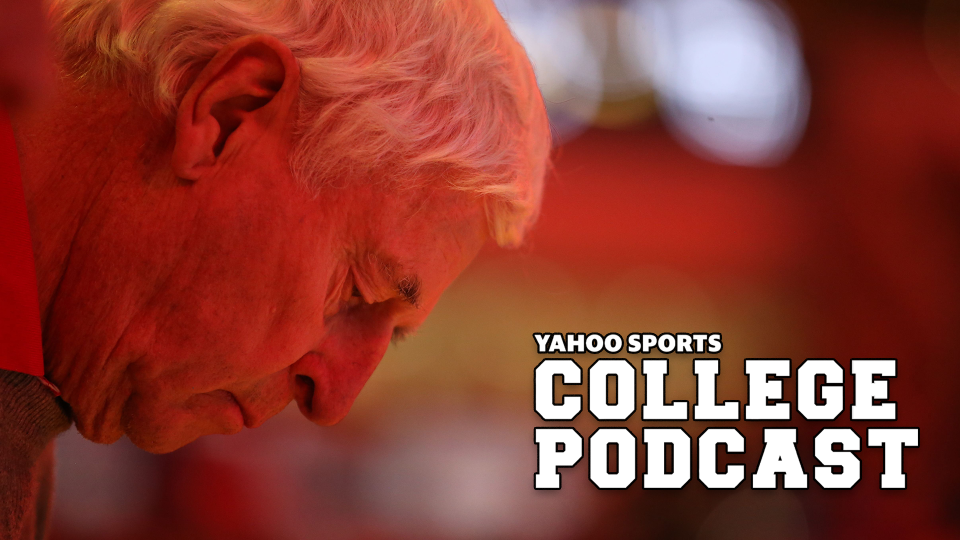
(405, 91)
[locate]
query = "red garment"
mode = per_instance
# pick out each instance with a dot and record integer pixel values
(20, 345)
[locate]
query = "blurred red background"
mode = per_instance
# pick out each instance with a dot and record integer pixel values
(848, 248)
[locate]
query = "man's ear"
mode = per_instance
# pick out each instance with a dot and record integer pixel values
(246, 93)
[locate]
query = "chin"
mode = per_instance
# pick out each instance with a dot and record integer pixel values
(159, 443)
(99, 436)
(94, 428)
(160, 428)
(161, 434)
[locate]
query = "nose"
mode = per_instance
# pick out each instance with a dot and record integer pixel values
(326, 381)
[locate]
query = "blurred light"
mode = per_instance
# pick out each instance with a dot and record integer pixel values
(566, 63)
(628, 96)
(466, 472)
(729, 74)
(102, 490)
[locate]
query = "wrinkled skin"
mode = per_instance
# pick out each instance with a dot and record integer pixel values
(188, 290)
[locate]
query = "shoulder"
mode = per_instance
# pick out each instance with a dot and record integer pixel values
(30, 418)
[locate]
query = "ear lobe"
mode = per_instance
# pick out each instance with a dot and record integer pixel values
(247, 92)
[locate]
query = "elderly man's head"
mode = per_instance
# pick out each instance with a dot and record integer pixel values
(237, 203)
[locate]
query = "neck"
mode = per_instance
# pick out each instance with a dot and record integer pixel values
(68, 155)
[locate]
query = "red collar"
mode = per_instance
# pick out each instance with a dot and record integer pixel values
(20, 342)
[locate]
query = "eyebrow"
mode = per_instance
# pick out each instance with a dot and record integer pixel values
(407, 286)
(409, 289)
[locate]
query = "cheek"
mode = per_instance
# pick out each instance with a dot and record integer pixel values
(233, 312)
(199, 335)
(203, 342)
(207, 330)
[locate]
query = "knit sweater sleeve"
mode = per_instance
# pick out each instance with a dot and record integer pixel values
(30, 418)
